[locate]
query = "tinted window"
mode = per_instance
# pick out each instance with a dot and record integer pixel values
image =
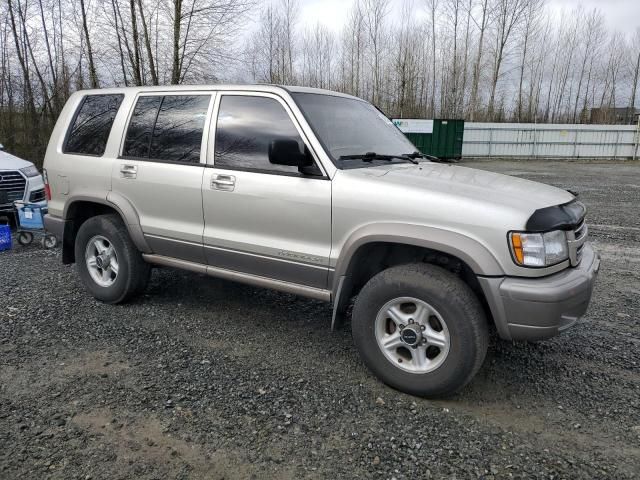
(246, 126)
(348, 126)
(167, 128)
(138, 139)
(178, 132)
(92, 124)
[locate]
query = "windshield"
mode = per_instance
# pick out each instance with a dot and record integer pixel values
(347, 126)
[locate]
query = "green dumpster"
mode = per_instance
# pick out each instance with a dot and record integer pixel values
(441, 137)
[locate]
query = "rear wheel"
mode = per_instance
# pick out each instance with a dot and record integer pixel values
(420, 329)
(108, 262)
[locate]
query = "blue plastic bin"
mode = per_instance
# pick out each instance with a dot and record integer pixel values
(5, 237)
(30, 217)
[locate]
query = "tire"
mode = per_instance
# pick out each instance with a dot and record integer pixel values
(101, 233)
(25, 238)
(454, 319)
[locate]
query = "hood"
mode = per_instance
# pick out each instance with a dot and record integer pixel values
(470, 184)
(9, 162)
(440, 199)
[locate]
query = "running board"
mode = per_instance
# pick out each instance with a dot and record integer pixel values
(254, 280)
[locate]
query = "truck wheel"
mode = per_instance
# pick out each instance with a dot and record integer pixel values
(420, 329)
(110, 265)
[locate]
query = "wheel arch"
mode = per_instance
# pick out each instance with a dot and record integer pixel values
(365, 255)
(79, 209)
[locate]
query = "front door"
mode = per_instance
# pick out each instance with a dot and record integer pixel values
(263, 219)
(161, 168)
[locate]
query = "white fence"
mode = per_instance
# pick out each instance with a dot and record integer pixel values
(550, 140)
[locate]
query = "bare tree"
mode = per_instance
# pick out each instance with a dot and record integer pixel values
(318, 47)
(590, 34)
(508, 14)
(531, 17)
(453, 14)
(432, 6)
(147, 44)
(353, 50)
(291, 11)
(406, 66)
(617, 53)
(200, 28)
(93, 75)
(374, 16)
(482, 25)
(478, 59)
(635, 47)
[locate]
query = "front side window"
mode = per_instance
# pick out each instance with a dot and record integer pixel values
(92, 124)
(246, 128)
(167, 128)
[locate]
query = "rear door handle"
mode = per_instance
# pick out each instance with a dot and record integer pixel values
(225, 183)
(128, 171)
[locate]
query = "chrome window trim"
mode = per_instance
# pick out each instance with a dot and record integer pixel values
(170, 93)
(295, 119)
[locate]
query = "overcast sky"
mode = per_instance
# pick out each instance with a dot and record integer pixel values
(623, 15)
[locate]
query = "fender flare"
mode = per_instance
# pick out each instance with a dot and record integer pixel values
(477, 256)
(124, 208)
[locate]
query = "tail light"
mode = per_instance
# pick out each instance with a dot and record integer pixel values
(45, 179)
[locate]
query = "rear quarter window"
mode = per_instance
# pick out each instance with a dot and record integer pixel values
(92, 124)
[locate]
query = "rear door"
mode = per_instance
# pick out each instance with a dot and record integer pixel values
(263, 219)
(161, 167)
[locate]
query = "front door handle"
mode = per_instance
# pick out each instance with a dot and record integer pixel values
(128, 171)
(223, 182)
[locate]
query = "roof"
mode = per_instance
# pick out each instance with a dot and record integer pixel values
(249, 87)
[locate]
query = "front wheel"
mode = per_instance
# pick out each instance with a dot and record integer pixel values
(420, 329)
(25, 238)
(108, 262)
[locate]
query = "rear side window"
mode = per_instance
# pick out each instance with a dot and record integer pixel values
(138, 138)
(92, 124)
(167, 128)
(246, 126)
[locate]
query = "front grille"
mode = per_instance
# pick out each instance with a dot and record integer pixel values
(37, 196)
(577, 239)
(12, 186)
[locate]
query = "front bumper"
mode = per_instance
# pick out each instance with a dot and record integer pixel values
(539, 308)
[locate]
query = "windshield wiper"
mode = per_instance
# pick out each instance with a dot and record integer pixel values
(371, 156)
(431, 158)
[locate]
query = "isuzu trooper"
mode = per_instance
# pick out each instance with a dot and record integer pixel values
(318, 194)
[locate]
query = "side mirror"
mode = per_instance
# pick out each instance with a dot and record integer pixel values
(286, 151)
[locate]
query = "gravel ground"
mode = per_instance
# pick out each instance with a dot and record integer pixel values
(202, 378)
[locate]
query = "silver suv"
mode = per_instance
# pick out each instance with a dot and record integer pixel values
(318, 194)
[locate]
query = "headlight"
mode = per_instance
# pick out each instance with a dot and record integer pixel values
(539, 249)
(30, 171)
